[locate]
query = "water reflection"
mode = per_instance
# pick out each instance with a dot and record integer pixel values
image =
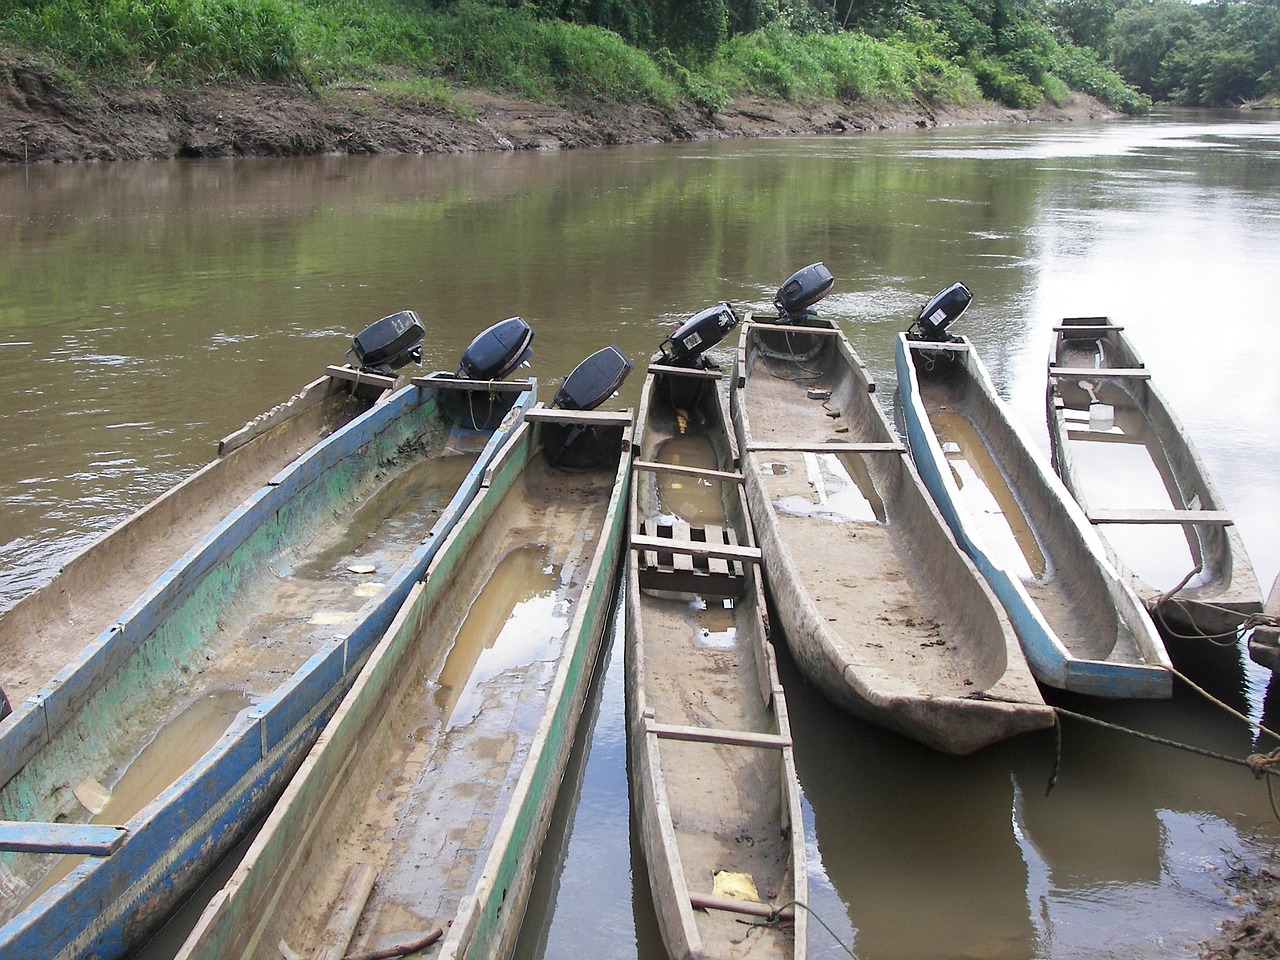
(151, 308)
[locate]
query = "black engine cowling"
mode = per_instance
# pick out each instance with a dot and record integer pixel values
(497, 351)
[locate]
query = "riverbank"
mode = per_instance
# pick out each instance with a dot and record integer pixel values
(43, 120)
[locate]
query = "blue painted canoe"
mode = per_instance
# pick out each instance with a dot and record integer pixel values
(1080, 625)
(268, 617)
(424, 803)
(46, 628)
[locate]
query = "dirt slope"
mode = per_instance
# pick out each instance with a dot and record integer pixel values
(42, 121)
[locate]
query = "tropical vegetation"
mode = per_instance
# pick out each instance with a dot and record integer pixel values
(1018, 52)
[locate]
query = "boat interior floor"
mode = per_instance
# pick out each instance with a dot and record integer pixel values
(436, 776)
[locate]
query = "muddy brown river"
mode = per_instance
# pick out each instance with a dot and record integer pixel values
(148, 309)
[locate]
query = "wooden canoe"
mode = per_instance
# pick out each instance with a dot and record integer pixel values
(1152, 498)
(45, 630)
(435, 781)
(1080, 625)
(158, 747)
(713, 782)
(883, 612)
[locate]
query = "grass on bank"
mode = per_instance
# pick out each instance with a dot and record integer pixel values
(420, 51)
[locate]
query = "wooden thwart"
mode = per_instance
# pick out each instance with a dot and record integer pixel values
(788, 328)
(736, 738)
(770, 446)
(1217, 517)
(461, 383)
(1101, 373)
(685, 371)
(361, 376)
(655, 467)
(590, 418)
(1087, 329)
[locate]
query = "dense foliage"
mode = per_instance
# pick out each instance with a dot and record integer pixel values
(1018, 52)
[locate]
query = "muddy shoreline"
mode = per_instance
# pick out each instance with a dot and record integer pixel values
(45, 121)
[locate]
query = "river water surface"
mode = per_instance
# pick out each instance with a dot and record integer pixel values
(147, 309)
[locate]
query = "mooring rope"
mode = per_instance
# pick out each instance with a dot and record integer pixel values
(1226, 638)
(776, 916)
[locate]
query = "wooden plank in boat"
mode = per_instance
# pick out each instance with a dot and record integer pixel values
(361, 376)
(672, 558)
(695, 548)
(685, 371)
(788, 328)
(786, 446)
(461, 383)
(1218, 517)
(1100, 373)
(1092, 329)
(589, 418)
(654, 467)
(736, 738)
(1104, 436)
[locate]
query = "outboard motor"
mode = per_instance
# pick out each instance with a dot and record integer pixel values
(695, 336)
(592, 382)
(492, 355)
(497, 351)
(390, 343)
(803, 289)
(940, 312)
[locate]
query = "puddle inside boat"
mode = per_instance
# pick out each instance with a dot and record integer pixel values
(1001, 524)
(695, 500)
(518, 617)
(400, 512)
(1123, 466)
(182, 742)
(841, 490)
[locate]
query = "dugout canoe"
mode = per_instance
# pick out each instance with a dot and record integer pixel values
(423, 805)
(883, 611)
(1152, 500)
(712, 775)
(171, 734)
(44, 630)
(1081, 626)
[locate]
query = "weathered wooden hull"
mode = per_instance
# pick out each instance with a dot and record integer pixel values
(447, 808)
(48, 627)
(1264, 641)
(1080, 625)
(712, 775)
(1222, 590)
(882, 610)
(241, 614)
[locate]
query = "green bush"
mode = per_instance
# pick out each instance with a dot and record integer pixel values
(174, 39)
